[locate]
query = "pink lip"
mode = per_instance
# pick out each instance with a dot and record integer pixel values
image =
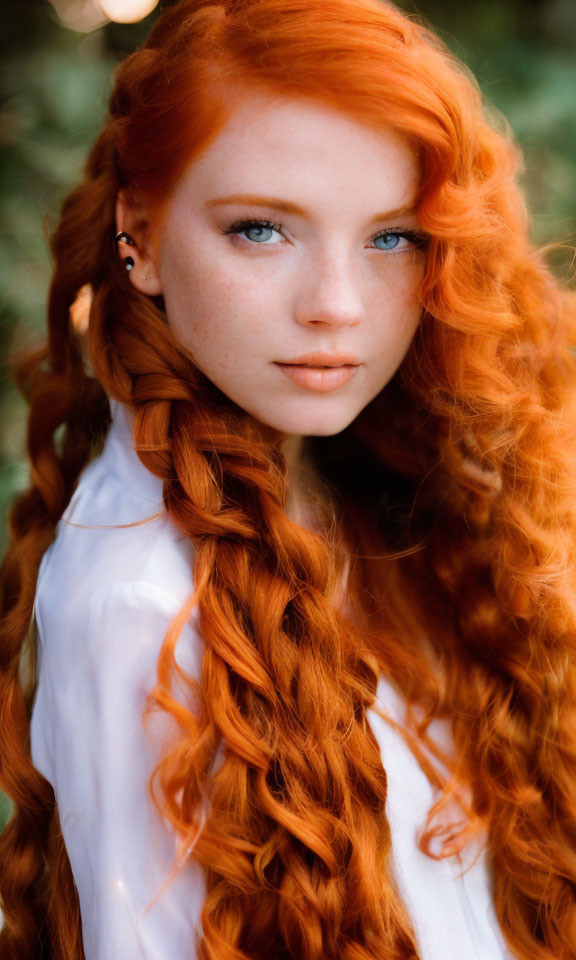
(320, 359)
(318, 378)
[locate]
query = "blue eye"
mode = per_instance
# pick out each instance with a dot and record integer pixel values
(391, 239)
(260, 229)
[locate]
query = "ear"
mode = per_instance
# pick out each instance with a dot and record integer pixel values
(131, 219)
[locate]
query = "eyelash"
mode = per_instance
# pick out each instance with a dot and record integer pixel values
(416, 238)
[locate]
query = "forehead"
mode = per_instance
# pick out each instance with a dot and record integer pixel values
(306, 150)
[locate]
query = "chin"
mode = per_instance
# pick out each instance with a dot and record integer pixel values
(309, 426)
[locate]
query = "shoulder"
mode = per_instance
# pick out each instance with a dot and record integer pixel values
(110, 585)
(114, 531)
(119, 569)
(116, 525)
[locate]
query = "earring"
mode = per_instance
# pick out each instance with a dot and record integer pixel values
(123, 237)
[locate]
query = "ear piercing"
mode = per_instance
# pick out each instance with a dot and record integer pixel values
(123, 237)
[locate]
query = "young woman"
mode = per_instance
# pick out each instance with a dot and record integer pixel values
(298, 545)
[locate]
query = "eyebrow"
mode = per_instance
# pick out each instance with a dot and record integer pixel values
(286, 206)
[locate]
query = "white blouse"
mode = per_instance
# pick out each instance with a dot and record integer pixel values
(104, 599)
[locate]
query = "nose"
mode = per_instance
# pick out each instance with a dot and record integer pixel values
(331, 294)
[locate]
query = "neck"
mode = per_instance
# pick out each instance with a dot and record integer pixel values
(300, 501)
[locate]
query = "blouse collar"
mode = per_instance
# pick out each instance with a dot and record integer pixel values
(122, 458)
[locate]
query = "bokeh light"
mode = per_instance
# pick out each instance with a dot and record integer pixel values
(86, 15)
(127, 11)
(80, 15)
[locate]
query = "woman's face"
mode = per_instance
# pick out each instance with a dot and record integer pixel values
(336, 268)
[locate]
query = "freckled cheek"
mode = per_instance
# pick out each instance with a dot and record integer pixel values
(194, 292)
(397, 295)
(222, 283)
(411, 305)
(407, 293)
(219, 316)
(395, 313)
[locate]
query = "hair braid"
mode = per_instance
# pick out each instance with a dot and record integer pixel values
(294, 742)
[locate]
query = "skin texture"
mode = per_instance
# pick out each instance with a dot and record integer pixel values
(241, 302)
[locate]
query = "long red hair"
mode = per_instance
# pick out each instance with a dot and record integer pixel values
(460, 527)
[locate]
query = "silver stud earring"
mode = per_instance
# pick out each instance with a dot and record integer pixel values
(123, 237)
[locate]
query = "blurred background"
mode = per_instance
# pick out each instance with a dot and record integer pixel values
(57, 57)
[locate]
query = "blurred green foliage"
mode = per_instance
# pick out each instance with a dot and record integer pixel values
(55, 85)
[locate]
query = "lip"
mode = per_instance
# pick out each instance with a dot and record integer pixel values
(319, 379)
(320, 359)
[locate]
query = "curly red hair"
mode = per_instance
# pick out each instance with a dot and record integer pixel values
(460, 528)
